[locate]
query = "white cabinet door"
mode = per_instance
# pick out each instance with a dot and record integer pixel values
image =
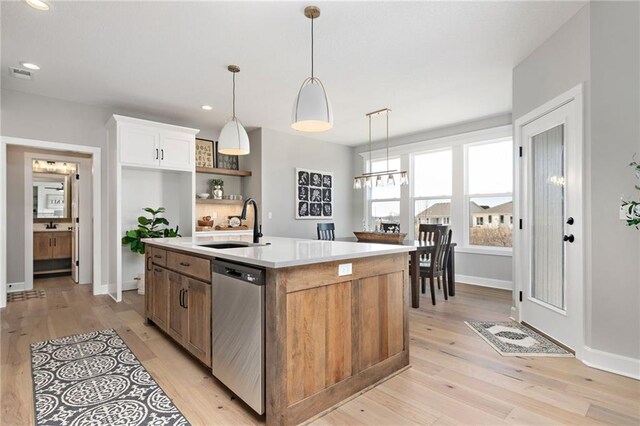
(177, 151)
(139, 146)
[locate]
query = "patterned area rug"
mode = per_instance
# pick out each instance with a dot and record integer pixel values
(18, 296)
(513, 339)
(94, 379)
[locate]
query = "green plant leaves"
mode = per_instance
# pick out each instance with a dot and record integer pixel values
(134, 237)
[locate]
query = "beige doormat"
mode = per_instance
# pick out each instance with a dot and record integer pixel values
(19, 296)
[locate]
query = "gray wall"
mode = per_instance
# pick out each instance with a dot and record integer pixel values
(252, 185)
(281, 154)
(38, 117)
(469, 264)
(599, 46)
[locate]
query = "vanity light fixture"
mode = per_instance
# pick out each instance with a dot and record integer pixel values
(364, 180)
(312, 111)
(38, 5)
(233, 138)
(206, 107)
(30, 65)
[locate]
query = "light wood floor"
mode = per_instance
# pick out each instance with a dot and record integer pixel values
(456, 378)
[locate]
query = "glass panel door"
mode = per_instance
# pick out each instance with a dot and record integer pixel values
(548, 200)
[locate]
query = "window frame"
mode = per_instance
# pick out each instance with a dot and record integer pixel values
(368, 200)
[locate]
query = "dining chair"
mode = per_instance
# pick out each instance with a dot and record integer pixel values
(427, 233)
(436, 267)
(326, 231)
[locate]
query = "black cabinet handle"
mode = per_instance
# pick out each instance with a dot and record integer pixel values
(186, 295)
(570, 221)
(149, 263)
(49, 242)
(181, 294)
(156, 153)
(569, 238)
(162, 154)
(55, 242)
(184, 264)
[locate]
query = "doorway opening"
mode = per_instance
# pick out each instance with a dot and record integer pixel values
(50, 207)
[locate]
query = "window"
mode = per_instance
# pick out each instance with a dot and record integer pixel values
(490, 194)
(432, 188)
(384, 201)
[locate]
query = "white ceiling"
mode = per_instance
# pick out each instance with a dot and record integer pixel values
(432, 63)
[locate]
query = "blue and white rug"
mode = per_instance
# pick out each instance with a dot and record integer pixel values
(95, 379)
(510, 338)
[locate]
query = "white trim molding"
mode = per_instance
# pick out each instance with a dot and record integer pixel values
(99, 287)
(14, 287)
(618, 364)
(484, 282)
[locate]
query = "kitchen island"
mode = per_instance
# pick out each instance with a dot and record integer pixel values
(335, 313)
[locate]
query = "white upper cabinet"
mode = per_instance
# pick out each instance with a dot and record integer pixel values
(177, 151)
(148, 144)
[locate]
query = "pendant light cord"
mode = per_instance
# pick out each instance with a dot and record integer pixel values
(370, 163)
(387, 140)
(234, 95)
(312, 19)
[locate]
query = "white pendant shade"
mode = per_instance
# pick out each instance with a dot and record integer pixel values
(233, 139)
(312, 111)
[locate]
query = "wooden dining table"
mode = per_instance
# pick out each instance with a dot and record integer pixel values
(422, 248)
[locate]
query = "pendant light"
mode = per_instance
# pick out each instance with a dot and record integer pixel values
(312, 111)
(233, 138)
(365, 179)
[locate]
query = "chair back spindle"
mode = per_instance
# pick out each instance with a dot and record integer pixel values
(326, 231)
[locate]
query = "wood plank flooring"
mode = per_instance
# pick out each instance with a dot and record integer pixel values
(456, 378)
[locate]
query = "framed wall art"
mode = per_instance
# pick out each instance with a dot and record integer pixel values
(205, 153)
(224, 161)
(314, 194)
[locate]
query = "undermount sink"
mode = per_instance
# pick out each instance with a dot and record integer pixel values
(224, 245)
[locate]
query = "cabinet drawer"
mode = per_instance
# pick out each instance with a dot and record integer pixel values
(159, 256)
(189, 265)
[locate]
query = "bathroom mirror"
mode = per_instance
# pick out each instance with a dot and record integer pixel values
(51, 197)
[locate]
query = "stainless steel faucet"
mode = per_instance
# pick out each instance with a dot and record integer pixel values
(257, 229)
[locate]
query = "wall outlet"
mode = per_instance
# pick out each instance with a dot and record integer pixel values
(345, 269)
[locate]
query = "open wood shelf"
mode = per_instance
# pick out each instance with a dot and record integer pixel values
(226, 172)
(211, 201)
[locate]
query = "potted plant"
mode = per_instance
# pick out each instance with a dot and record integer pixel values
(216, 188)
(154, 227)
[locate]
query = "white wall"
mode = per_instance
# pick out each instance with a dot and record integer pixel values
(281, 154)
(472, 267)
(600, 47)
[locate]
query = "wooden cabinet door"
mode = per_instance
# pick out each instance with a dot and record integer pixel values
(160, 294)
(61, 245)
(198, 340)
(42, 245)
(177, 307)
(177, 151)
(139, 146)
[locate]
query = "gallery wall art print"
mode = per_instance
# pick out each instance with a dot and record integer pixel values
(314, 194)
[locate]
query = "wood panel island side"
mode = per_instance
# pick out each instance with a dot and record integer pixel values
(328, 336)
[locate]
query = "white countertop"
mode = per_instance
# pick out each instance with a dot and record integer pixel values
(281, 252)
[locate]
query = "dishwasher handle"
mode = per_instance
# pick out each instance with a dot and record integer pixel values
(238, 271)
(232, 272)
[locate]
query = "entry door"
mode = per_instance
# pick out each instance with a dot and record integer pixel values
(551, 173)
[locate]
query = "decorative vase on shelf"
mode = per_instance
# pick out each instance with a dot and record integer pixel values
(217, 192)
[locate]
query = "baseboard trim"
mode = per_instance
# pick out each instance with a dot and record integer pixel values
(484, 282)
(129, 285)
(618, 364)
(14, 287)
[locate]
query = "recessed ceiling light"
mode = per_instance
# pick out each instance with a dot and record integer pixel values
(30, 65)
(206, 107)
(38, 4)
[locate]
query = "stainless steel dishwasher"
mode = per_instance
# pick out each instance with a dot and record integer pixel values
(238, 330)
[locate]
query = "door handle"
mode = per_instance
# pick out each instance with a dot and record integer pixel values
(185, 264)
(149, 263)
(55, 242)
(162, 154)
(186, 295)
(570, 221)
(570, 238)
(156, 153)
(181, 294)
(49, 242)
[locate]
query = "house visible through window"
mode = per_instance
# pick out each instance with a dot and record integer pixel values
(489, 197)
(384, 201)
(432, 188)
